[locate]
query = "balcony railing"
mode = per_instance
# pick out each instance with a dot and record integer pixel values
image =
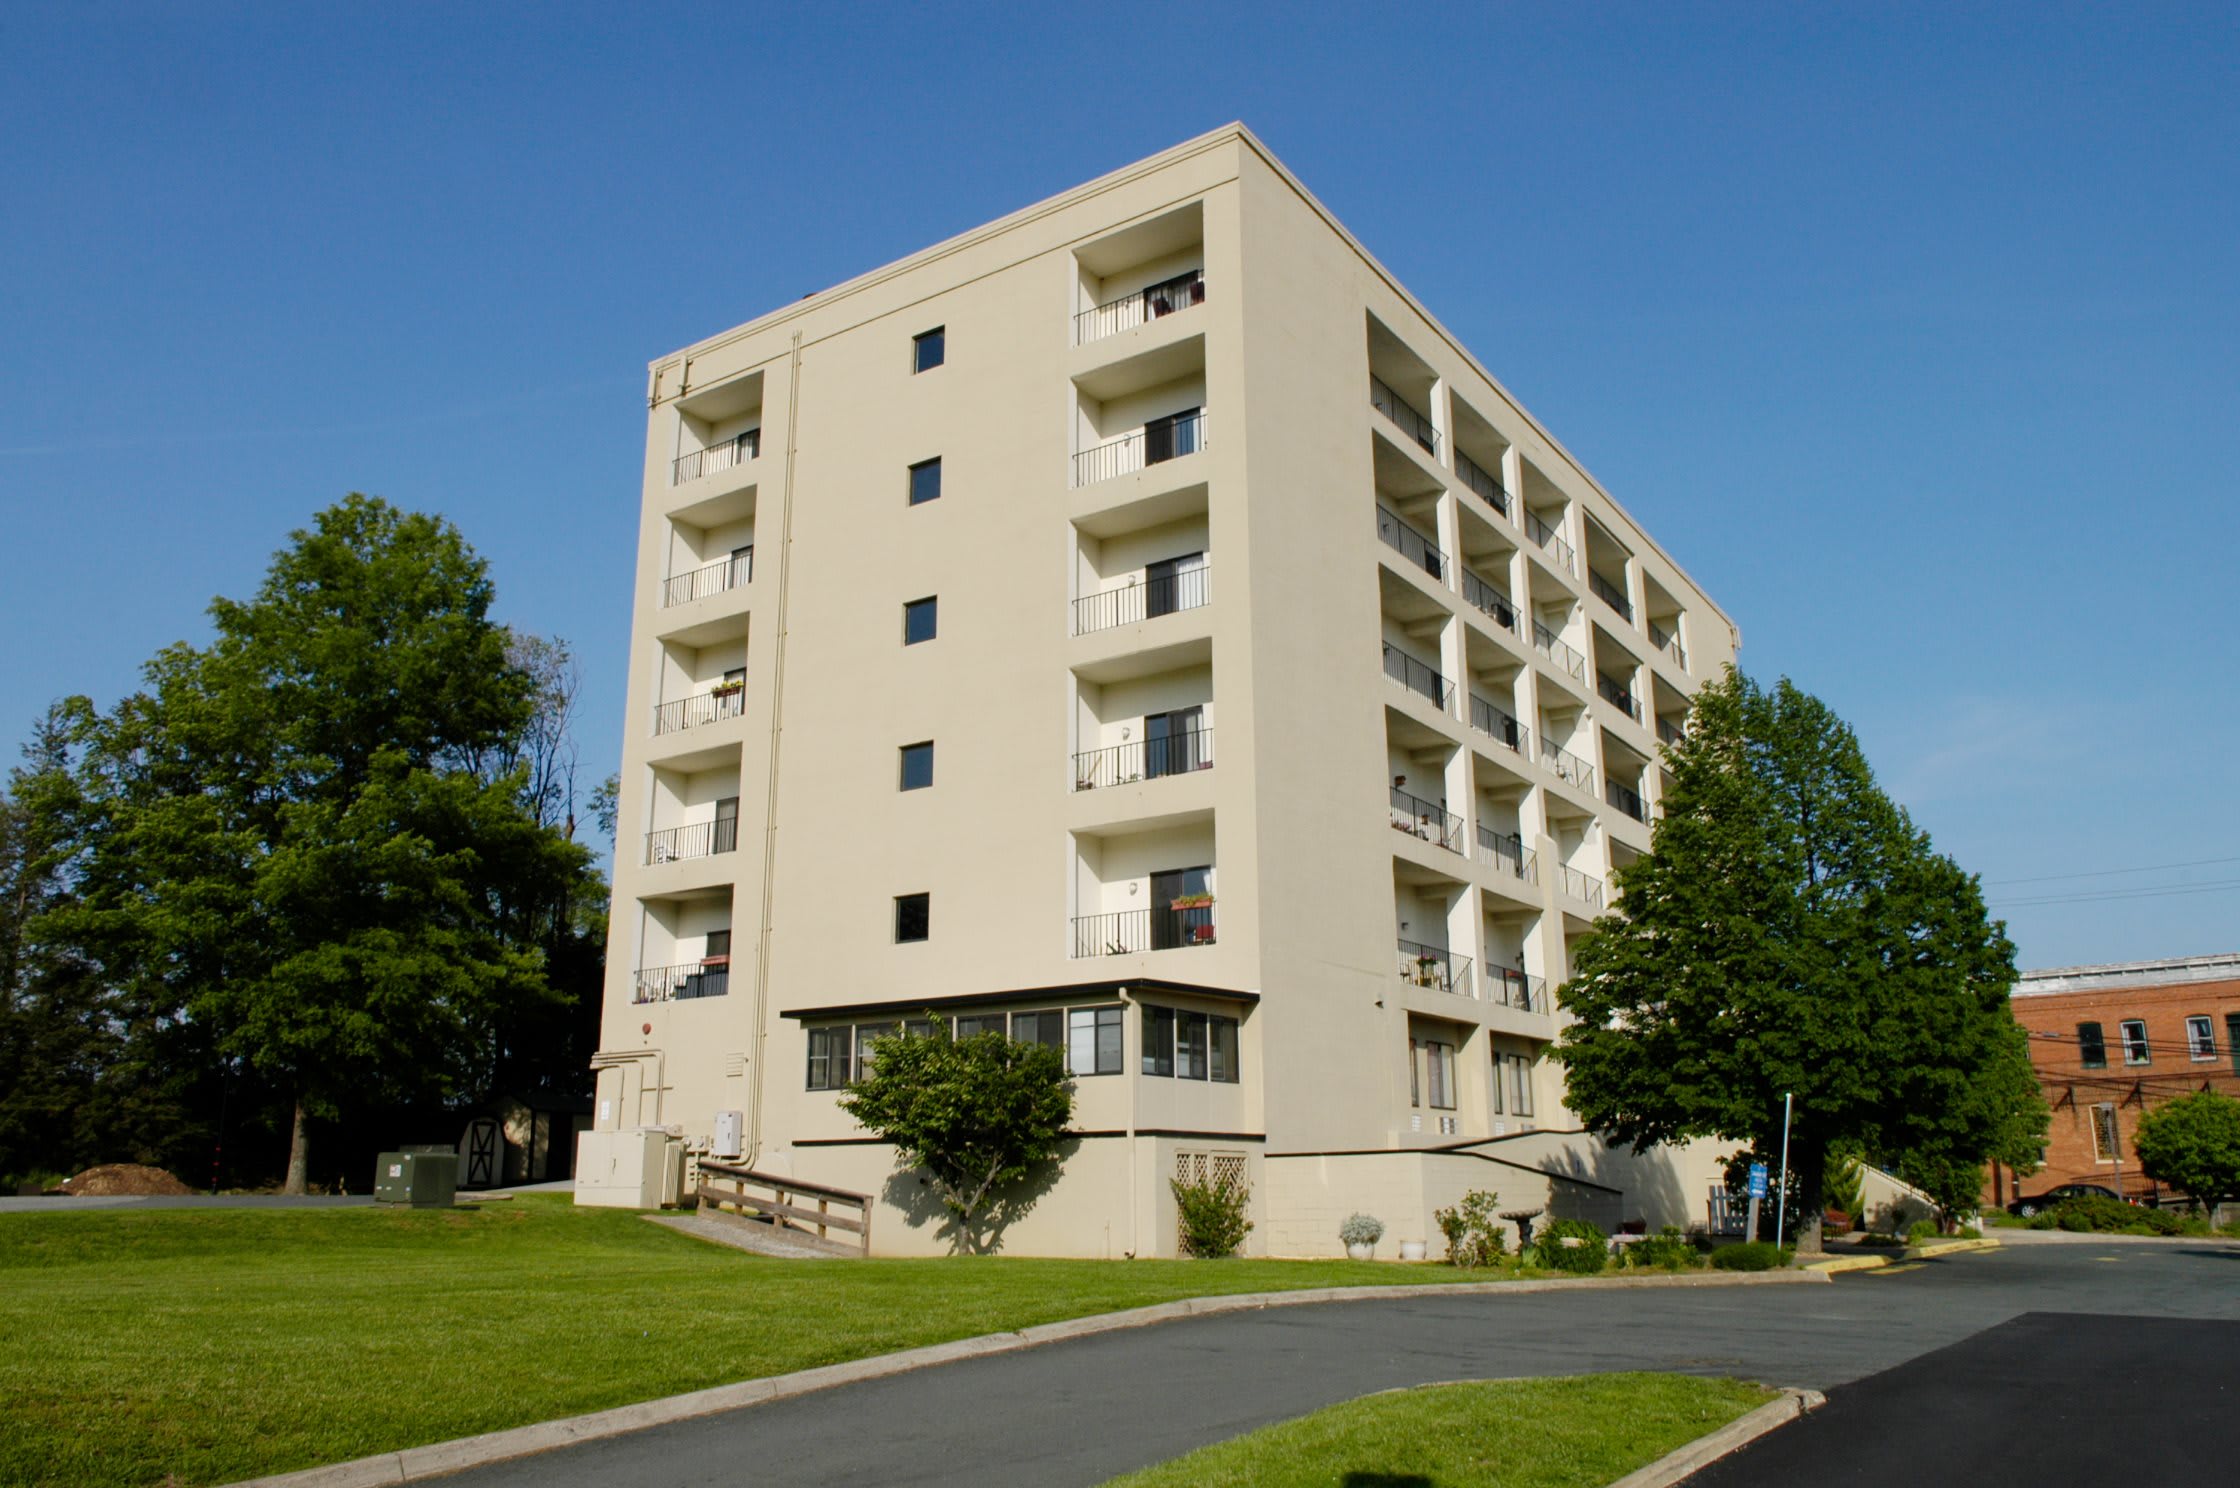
(1626, 799)
(732, 572)
(1143, 759)
(1134, 930)
(1427, 820)
(1155, 443)
(1132, 604)
(1671, 732)
(1527, 994)
(1552, 646)
(1496, 605)
(709, 978)
(699, 840)
(1552, 541)
(1610, 594)
(1584, 887)
(1505, 851)
(1411, 420)
(1475, 477)
(1668, 642)
(1129, 311)
(1411, 544)
(1434, 966)
(1416, 677)
(1616, 694)
(1489, 719)
(1568, 767)
(703, 707)
(734, 451)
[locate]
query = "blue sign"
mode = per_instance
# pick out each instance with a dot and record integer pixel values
(1757, 1180)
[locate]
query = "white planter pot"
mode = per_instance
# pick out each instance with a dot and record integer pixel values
(1411, 1250)
(1362, 1252)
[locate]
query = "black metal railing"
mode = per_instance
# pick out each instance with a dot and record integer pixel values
(1487, 718)
(1133, 930)
(1610, 594)
(1158, 441)
(1410, 419)
(1476, 477)
(1567, 766)
(1552, 646)
(1668, 642)
(699, 840)
(1426, 819)
(1434, 966)
(1144, 759)
(737, 450)
(1131, 310)
(1416, 677)
(1511, 988)
(715, 578)
(1411, 544)
(1584, 887)
(1626, 799)
(1132, 604)
(1670, 732)
(710, 978)
(1491, 601)
(1505, 851)
(1616, 694)
(1550, 540)
(703, 707)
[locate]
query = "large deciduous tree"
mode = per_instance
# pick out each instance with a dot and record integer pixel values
(324, 839)
(1792, 931)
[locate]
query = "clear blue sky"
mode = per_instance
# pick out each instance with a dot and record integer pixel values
(1912, 335)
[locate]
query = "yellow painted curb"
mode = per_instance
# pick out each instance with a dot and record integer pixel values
(1881, 1258)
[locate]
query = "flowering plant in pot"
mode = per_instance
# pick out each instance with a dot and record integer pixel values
(1191, 901)
(1361, 1232)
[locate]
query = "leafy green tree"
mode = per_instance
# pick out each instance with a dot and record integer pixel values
(979, 1115)
(1791, 930)
(2193, 1144)
(317, 840)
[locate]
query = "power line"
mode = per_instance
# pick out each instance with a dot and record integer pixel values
(2223, 885)
(2108, 872)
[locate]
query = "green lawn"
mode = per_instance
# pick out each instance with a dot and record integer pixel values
(1547, 1433)
(217, 1344)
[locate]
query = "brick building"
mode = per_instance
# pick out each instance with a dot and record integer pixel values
(2111, 1042)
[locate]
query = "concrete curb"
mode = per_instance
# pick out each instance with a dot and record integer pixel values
(1879, 1259)
(415, 1463)
(1675, 1466)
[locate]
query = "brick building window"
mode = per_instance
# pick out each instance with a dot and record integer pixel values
(2201, 1037)
(2092, 1048)
(2135, 1049)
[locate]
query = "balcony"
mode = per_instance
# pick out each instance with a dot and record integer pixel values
(1434, 966)
(715, 578)
(1478, 480)
(1506, 853)
(1129, 311)
(1488, 719)
(699, 840)
(1527, 994)
(1411, 544)
(1625, 700)
(1668, 644)
(1143, 759)
(1489, 600)
(1416, 677)
(1584, 887)
(1134, 930)
(1566, 766)
(728, 701)
(1671, 733)
(1552, 646)
(1610, 594)
(1405, 414)
(1552, 541)
(737, 450)
(710, 977)
(1158, 441)
(1423, 819)
(1132, 604)
(1626, 799)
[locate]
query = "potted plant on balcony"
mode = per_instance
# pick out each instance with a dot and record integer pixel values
(1361, 1232)
(729, 687)
(1190, 901)
(1427, 968)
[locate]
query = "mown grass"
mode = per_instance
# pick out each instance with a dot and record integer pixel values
(211, 1345)
(1583, 1432)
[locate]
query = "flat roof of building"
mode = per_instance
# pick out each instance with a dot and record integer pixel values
(2171, 971)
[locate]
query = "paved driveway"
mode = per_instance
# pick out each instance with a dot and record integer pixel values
(1079, 1412)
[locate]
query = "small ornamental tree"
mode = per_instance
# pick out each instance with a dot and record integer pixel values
(2193, 1144)
(978, 1114)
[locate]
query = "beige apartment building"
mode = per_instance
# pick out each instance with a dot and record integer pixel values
(1137, 625)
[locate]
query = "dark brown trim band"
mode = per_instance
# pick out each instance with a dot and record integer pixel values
(1072, 992)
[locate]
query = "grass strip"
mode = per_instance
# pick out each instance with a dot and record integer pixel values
(1582, 1432)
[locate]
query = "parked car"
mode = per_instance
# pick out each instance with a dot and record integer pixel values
(2053, 1196)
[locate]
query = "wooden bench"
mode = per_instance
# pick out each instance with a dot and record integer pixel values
(782, 1203)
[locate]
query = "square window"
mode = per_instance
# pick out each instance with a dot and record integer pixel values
(2092, 1046)
(925, 482)
(2135, 1049)
(971, 1025)
(917, 766)
(1093, 1040)
(921, 620)
(867, 1036)
(929, 349)
(913, 917)
(828, 1057)
(924, 1027)
(2201, 1037)
(1045, 1028)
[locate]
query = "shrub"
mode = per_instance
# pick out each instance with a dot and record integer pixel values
(1361, 1229)
(2084, 1213)
(1750, 1255)
(1669, 1249)
(1213, 1222)
(1571, 1245)
(1919, 1231)
(1473, 1239)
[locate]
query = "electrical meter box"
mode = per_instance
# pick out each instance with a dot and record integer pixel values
(424, 1177)
(730, 1137)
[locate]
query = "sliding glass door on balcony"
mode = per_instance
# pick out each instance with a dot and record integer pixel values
(1174, 584)
(1171, 437)
(1175, 742)
(1181, 907)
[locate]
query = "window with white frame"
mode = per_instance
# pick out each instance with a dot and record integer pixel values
(2135, 1049)
(2201, 1037)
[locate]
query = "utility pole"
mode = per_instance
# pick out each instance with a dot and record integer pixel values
(1781, 1202)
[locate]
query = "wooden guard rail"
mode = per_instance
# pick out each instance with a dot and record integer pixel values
(779, 1210)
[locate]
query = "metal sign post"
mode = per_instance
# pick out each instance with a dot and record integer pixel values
(1781, 1205)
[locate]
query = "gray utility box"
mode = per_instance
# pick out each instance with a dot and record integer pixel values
(424, 1177)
